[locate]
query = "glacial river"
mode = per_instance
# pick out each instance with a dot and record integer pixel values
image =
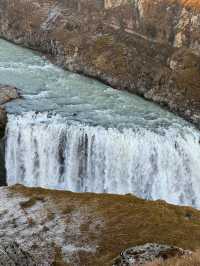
(74, 133)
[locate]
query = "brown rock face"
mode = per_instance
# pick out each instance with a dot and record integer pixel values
(7, 93)
(151, 48)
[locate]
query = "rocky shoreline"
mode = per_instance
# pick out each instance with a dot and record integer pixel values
(115, 45)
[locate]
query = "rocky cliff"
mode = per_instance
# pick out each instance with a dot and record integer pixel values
(151, 48)
(7, 93)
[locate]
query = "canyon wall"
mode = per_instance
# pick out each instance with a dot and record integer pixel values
(151, 48)
(172, 22)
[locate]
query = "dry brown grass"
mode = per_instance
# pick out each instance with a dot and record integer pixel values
(193, 260)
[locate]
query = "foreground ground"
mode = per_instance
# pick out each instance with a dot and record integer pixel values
(90, 229)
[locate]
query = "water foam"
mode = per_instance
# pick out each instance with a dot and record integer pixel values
(47, 151)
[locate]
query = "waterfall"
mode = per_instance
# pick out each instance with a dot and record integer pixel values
(45, 150)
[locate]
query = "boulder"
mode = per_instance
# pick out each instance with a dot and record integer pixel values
(140, 255)
(8, 93)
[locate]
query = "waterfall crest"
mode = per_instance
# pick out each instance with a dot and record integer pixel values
(46, 151)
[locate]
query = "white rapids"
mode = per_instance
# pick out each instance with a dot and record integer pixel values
(44, 151)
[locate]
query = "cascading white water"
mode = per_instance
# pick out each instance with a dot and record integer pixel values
(98, 140)
(43, 150)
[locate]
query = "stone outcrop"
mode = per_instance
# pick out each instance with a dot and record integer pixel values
(7, 93)
(141, 255)
(12, 255)
(151, 48)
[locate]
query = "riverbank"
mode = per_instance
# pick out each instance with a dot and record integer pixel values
(161, 64)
